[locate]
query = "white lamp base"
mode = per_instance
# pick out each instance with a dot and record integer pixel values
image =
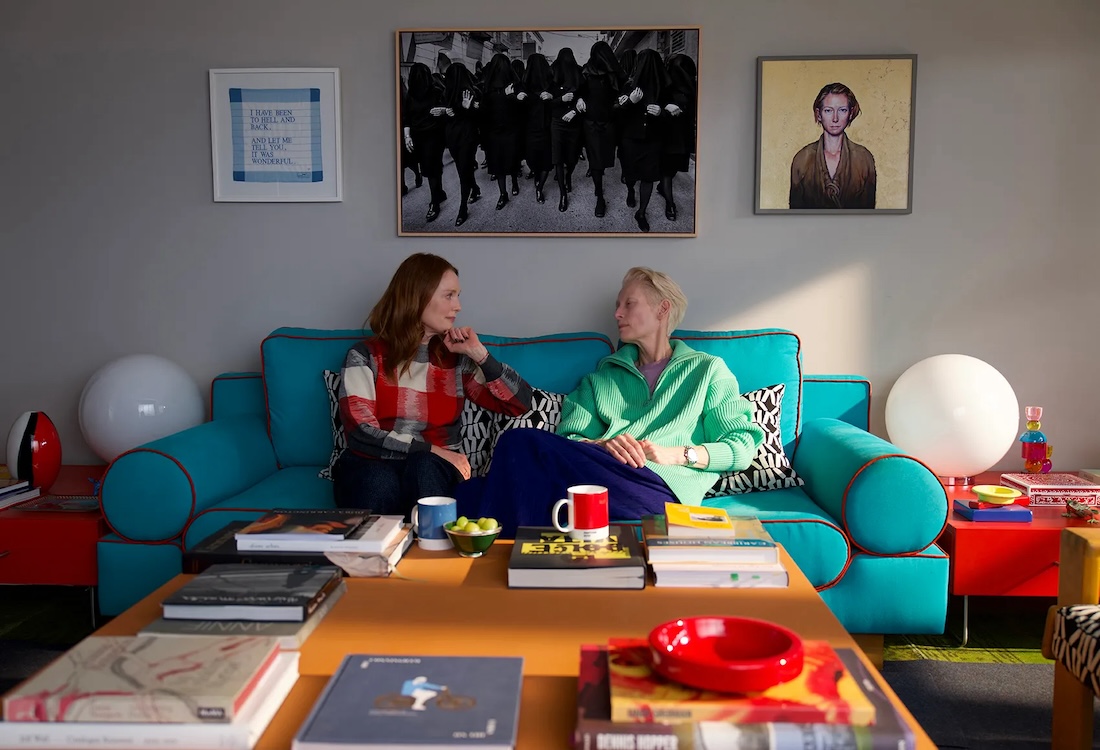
(956, 481)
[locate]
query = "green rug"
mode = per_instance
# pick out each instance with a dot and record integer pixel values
(1002, 631)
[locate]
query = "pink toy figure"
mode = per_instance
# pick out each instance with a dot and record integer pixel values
(1034, 448)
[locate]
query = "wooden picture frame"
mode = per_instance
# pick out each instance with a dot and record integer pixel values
(442, 63)
(834, 134)
(275, 134)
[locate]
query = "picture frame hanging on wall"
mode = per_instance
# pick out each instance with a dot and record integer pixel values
(834, 134)
(275, 134)
(547, 131)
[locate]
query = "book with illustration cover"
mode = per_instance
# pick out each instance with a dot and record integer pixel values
(372, 535)
(824, 693)
(698, 520)
(278, 593)
(375, 701)
(544, 557)
(304, 524)
(751, 543)
(1054, 488)
(596, 731)
(242, 733)
(145, 679)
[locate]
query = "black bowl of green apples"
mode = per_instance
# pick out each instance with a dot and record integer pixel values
(472, 536)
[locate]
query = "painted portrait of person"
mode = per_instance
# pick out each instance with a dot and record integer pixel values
(834, 171)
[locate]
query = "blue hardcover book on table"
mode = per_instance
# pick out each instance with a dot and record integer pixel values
(1004, 514)
(376, 701)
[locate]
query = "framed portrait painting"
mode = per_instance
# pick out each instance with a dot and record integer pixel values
(275, 134)
(835, 134)
(547, 131)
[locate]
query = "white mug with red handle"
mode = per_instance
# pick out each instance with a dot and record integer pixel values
(587, 517)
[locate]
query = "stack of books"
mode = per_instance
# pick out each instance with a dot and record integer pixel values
(835, 702)
(13, 491)
(149, 692)
(391, 701)
(254, 593)
(544, 557)
(706, 547)
(328, 530)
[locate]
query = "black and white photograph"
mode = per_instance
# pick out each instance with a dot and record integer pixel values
(547, 132)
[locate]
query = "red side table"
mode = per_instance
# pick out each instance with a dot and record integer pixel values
(54, 548)
(990, 558)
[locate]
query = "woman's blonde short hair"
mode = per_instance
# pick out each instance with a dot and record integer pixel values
(660, 286)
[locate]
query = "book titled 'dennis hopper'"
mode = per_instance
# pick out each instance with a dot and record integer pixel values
(1054, 488)
(145, 679)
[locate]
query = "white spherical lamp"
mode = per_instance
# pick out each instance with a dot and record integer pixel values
(955, 413)
(135, 399)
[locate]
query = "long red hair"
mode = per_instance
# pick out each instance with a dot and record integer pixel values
(395, 319)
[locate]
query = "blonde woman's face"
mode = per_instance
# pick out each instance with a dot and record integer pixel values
(637, 316)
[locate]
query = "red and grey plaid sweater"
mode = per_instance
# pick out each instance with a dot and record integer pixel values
(390, 419)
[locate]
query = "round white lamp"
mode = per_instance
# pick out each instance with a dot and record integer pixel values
(135, 399)
(955, 413)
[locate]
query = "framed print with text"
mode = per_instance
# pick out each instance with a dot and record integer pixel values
(835, 134)
(275, 134)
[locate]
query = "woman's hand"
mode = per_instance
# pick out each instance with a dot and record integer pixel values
(467, 98)
(653, 109)
(546, 96)
(521, 96)
(672, 109)
(437, 111)
(463, 340)
(626, 448)
(660, 454)
(455, 459)
(623, 99)
(450, 112)
(581, 106)
(569, 115)
(567, 96)
(636, 95)
(509, 89)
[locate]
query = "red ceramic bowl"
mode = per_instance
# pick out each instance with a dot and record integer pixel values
(726, 654)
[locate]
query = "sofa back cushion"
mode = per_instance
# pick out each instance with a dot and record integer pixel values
(758, 359)
(293, 360)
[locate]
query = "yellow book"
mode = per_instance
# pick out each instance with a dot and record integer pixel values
(696, 520)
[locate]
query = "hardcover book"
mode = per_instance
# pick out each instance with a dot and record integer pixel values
(1002, 513)
(547, 558)
(373, 535)
(282, 593)
(1054, 488)
(824, 693)
(10, 485)
(145, 679)
(289, 635)
(752, 544)
(242, 733)
(720, 575)
(305, 524)
(697, 520)
(14, 498)
(416, 701)
(596, 731)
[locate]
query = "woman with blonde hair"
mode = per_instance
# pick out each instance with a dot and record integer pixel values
(656, 422)
(403, 389)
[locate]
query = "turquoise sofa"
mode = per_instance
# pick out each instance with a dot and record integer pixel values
(862, 527)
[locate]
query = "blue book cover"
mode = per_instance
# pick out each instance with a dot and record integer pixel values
(376, 701)
(1004, 514)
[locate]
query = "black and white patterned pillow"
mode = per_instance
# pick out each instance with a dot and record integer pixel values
(544, 414)
(770, 468)
(339, 440)
(477, 429)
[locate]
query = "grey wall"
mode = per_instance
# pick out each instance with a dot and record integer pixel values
(111, 242)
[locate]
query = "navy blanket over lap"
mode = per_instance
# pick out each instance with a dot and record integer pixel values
(532, 469)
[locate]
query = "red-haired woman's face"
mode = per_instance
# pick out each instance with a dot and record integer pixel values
(439, 316)
(834, 114)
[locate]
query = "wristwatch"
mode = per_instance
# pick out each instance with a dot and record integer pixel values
(690, 455)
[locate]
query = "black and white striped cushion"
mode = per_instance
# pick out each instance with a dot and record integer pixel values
(770, 468)
(1076, 642)
(544, 414)
(339, 440)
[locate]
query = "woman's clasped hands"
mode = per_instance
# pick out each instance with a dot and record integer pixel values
(633, 452)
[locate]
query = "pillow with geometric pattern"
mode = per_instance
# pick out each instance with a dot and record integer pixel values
(544, 414)
(339, 440)
(770, 468)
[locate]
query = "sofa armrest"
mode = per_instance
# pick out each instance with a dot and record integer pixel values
(151, 492)
(843, 397)
(887, 502)
(237, 394)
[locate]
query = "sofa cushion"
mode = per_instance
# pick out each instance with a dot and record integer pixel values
(339, 439)
(759, 358)
(770, 468)
(1076, 642)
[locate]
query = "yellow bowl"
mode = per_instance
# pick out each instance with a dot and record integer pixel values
(994, 493)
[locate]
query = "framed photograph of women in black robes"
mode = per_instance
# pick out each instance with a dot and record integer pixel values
(835, 134)
(547, 131)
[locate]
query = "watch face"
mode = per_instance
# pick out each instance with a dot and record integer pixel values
(691, 456)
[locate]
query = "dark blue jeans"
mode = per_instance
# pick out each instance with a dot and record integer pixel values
(532, 469)
(391, 486)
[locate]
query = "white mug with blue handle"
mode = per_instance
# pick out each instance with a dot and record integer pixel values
(428, 517)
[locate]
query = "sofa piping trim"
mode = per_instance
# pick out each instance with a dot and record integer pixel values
(843, 535)
(812, 379)
(174, 542)
(243, 376)
(797, 359)
(852, 481)
(190, 483)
